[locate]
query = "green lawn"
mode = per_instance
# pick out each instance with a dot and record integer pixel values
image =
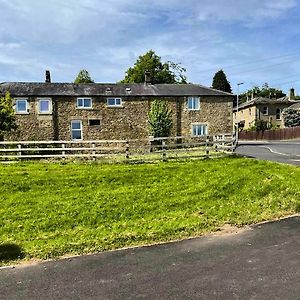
(51, 209)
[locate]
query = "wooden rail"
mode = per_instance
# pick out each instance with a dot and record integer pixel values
(120, 150)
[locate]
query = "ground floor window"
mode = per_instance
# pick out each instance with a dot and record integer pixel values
(278, 114)
(76, 129)
(199, 129)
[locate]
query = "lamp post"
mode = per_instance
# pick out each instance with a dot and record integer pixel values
(237, 110)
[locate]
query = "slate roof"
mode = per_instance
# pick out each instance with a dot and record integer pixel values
(295, 105)
(100, 89)
(262, 100)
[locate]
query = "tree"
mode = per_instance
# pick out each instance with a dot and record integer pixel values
(7, 115)
(265, 91)
(291, 117)
(83, 77)
(167, 72)
(160, 119)
(220, 82)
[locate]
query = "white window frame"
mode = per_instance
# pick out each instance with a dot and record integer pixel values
(204, 131)
(22, 111)
(115, 102)
(193, 103)
(50, 105)
(83, 103)
(80, 129)
(267, 113)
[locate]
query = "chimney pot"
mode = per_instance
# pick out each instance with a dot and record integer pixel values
(147, 77)
(292, 94)
(48, 77)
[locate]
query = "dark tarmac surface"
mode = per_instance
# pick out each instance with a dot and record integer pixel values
(262, 262)
(287, 152)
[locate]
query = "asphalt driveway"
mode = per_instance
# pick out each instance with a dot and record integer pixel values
(281, 151)
(262, 262)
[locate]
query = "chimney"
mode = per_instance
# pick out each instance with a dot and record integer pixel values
(147, 77)
(48, 77)
(292, 94)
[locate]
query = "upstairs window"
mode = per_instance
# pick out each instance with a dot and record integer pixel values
(84, 103)
(76, 129)
(114, 102)
(45, 106)
(193, 103)
(21, 106)
(265, 110)
(199, 129)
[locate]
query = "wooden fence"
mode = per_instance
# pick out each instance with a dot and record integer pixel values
(120, 150)
(274, 134)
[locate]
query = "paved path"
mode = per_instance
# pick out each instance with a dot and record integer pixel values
(258, 263)
(281, 151)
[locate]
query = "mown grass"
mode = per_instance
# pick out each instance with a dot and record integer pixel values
(52, 209)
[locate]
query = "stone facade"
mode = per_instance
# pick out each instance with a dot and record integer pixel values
(127, 121)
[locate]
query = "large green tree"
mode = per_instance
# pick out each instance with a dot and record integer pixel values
(83, 77)
(220, 82)
(160, 72)
(291, 117)
(7, 115)
(160, 119)
(264, 91)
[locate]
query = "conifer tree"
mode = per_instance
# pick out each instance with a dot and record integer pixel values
(220, 82)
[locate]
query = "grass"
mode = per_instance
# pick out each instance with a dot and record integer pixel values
(52, 209)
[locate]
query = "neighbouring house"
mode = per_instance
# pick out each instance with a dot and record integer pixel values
(67, 111)
(262, 109)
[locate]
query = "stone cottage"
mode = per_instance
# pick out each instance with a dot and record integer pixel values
(67, 111)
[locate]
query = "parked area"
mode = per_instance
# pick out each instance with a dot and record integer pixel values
(53, 209)
(261, 262)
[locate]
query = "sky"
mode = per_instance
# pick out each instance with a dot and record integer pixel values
(253, 41)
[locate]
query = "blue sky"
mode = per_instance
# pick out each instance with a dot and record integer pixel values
(253, 41)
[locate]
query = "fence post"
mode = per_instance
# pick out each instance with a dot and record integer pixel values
(164, 154)
(206, 145)
(19, 147)
(127, 149)
(63, 152)
(94, 151)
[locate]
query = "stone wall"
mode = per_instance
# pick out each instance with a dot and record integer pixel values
(130, 121)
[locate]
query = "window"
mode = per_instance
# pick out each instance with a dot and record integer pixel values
(250, 111)
(94, 122)
(265, 110)
(84, 103)
(45, 106)
(193, 103)
(199, 129)
(278, 114)
(76, 129)
(114, 102)
(21, 106)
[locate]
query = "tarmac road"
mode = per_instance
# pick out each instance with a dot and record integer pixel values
(281, 151)
(262, 262)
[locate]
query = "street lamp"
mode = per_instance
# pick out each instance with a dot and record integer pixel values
(237, 110)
